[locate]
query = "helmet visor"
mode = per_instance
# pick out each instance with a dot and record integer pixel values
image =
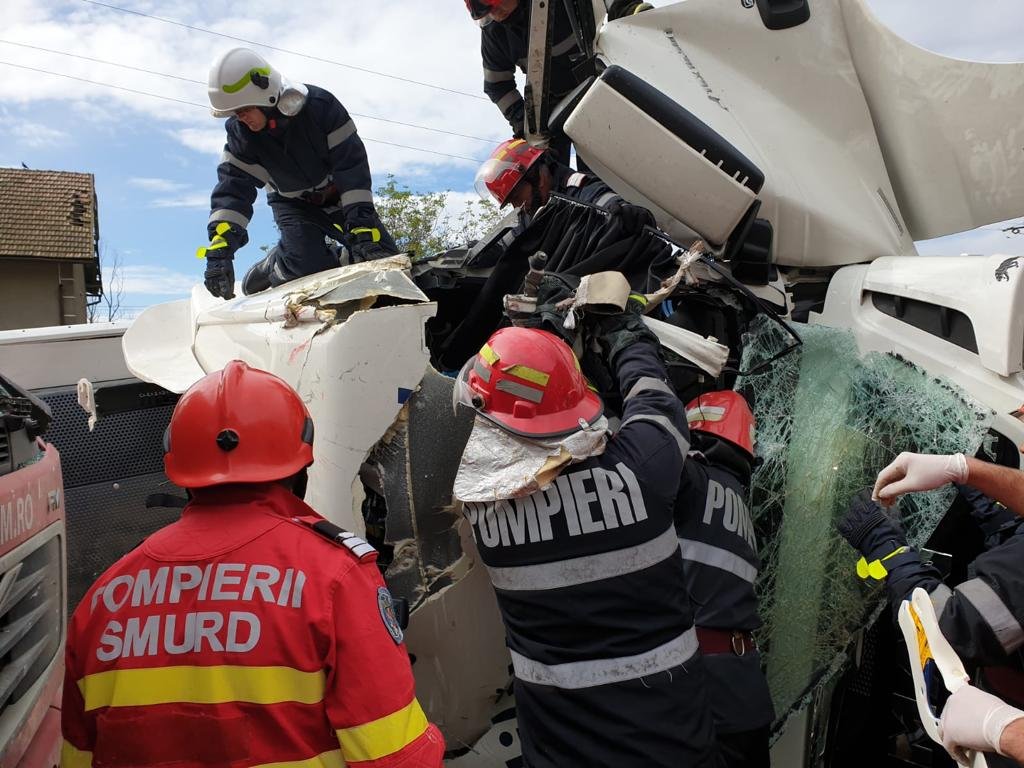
(463, 393)
(497, 178)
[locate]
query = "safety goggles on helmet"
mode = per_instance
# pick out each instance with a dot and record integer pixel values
(528, 382)
(505, 169)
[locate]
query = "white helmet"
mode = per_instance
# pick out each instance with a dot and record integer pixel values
(242, 78)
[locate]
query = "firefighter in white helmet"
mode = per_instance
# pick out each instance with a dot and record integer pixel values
(299, 141)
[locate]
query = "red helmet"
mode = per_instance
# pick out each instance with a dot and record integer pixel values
(528, 382)
(480, 9)
(505, 168)
(724, 414)
(237, 425)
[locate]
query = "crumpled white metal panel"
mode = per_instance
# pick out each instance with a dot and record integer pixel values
(353, 365)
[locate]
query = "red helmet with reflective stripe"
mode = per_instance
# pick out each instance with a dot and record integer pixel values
(480, 9)
(529, 382)
(505, 168)
(725, 414)
(237, 425)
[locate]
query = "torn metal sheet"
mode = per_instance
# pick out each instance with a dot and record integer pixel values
(416, 462)
(305, 299)
(354, 367)
(157, 347)
(457, 641)
(455, 635)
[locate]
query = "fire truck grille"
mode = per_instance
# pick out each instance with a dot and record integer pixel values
(5, 451)
(30, 614)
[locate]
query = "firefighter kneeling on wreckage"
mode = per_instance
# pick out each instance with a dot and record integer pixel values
(576, 530)
(252, 631)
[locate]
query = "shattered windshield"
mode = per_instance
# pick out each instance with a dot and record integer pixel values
(828, 419)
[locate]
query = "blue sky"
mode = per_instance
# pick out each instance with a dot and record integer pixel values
(155, 160)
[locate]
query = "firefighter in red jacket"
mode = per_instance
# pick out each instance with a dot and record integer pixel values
(250, 632)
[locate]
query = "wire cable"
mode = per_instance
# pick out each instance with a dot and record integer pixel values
(204, 106)
(284, 50)
(200, 82)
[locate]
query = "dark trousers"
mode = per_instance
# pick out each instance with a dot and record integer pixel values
(659, 721)
(746, 749)
(303, 248)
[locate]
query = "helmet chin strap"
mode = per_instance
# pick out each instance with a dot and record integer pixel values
(300, 482)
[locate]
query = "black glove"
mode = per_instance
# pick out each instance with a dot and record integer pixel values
(633, 217)
(364, 244)
(551, 290)
(219, 254)
(867, 527)
(878, 537)
(220, 275)
(518, 125)
(614, 333)
(883, 544)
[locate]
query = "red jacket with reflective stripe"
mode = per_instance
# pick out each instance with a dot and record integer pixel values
(239, 637)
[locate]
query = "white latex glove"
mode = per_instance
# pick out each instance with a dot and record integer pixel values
(918, 472)
(974, 720)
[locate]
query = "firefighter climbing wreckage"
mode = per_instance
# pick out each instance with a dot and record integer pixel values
(687, 243)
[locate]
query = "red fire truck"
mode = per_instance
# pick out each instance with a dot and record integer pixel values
(32, 579)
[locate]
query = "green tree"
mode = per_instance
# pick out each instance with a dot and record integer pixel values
(419, 221)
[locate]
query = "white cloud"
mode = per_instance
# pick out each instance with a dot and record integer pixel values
(190, 200)
(209, 141)
(156, 185)
(430, 42)
(154, 281)
(36, 135)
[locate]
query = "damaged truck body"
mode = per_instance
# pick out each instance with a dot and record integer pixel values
(807, 148)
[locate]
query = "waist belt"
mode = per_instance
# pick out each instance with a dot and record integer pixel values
(717, 641)
(324, 197)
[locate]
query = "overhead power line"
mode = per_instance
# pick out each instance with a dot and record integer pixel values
(269, 47)
(200, 82)
(204, 106)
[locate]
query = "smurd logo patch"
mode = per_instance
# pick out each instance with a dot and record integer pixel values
(386, 604)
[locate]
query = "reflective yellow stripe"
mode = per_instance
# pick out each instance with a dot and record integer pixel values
(222, 228)
(875, 569)
(245, 79)
(72, 757)
(218, 242)
(530, 374)
(385, 736)
(200, 685)
(508, 149)
(488, 354)
(374, 232)
(639, 298)
(332, 759)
